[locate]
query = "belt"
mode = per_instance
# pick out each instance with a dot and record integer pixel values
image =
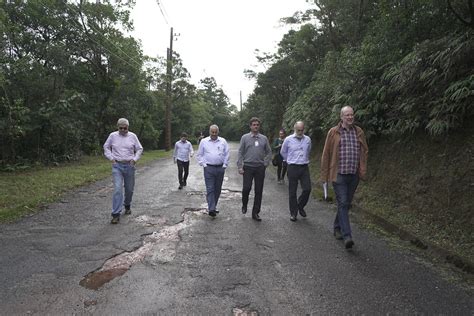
(122, 161)
(215, 165)
(298, 165)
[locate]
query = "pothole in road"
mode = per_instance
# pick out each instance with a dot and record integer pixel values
(158, 247)
(244, 312)
(150, 221)
(226, 194)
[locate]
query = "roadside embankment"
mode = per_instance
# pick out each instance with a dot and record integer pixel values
(422, 189)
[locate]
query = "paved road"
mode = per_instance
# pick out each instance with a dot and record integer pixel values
(168, 257)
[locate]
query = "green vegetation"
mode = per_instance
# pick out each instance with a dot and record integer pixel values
(405, 67)
(24, 192)
(68, 71)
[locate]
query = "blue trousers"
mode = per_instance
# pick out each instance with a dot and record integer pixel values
(344, 187)
(213, 177)
(124, 177)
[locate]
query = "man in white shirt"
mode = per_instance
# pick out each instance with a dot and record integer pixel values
(213, 155)
(182, 151)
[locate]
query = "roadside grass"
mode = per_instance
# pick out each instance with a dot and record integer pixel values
(25, 192)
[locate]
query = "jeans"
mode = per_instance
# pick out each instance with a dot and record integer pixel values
(213, 177)
(344, 187)
(298, 173)
(124, 176)
(182, 166)
(251, 174)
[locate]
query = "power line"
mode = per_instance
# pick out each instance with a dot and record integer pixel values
(113, 44)
(160, 5)
(137, 65)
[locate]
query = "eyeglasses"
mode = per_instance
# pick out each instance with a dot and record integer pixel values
(123, 128)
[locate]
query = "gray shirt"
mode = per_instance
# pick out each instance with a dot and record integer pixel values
(254, 151)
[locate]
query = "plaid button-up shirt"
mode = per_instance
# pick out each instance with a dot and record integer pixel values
(349, 151)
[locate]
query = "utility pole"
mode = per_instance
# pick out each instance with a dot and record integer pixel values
(240, 100)
(169, 77)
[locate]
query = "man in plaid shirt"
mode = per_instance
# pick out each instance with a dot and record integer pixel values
(344, 162)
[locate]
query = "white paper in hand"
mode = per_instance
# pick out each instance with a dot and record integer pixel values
(325, 188)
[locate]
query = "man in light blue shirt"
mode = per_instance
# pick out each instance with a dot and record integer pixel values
(213, 155)
(296, 151)
(182, 151)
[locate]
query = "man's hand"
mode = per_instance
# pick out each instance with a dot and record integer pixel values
(174, 160)
(241, 171)
(132, 162)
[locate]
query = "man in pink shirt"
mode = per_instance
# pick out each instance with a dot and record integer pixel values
(123, 149)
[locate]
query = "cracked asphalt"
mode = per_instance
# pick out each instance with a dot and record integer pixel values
(183, 262)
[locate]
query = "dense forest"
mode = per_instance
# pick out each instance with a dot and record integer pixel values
(68, 71)
(404, 65)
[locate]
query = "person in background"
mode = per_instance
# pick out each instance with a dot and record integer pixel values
(182, 151)
(213, 155)
(201, 136)
(296, 151)
(254, 157)
(123, 149)
(344, 162)
(281, 164)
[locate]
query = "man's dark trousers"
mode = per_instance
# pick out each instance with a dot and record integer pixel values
(182, 166)
(298, 173)
(250, 174)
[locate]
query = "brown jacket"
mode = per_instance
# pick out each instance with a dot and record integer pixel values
(330, 157)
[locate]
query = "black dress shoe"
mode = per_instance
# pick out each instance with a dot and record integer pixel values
(348, 243)
(180, 187)
(244, 209)
(256, 217)
(293, 218)
(302, 212)
(212, 213)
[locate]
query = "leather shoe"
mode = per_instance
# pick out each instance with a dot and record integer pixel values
(212, 213)
(302, 212)
(348, 243)
(244, 209)
(256, 217)
(337, 233)
(293, 218)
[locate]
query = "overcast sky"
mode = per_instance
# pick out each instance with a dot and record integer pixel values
(217, 38)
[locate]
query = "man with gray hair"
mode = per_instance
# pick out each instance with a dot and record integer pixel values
(296, 151)
(123, 149)
(213, 155)
(344, 162)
